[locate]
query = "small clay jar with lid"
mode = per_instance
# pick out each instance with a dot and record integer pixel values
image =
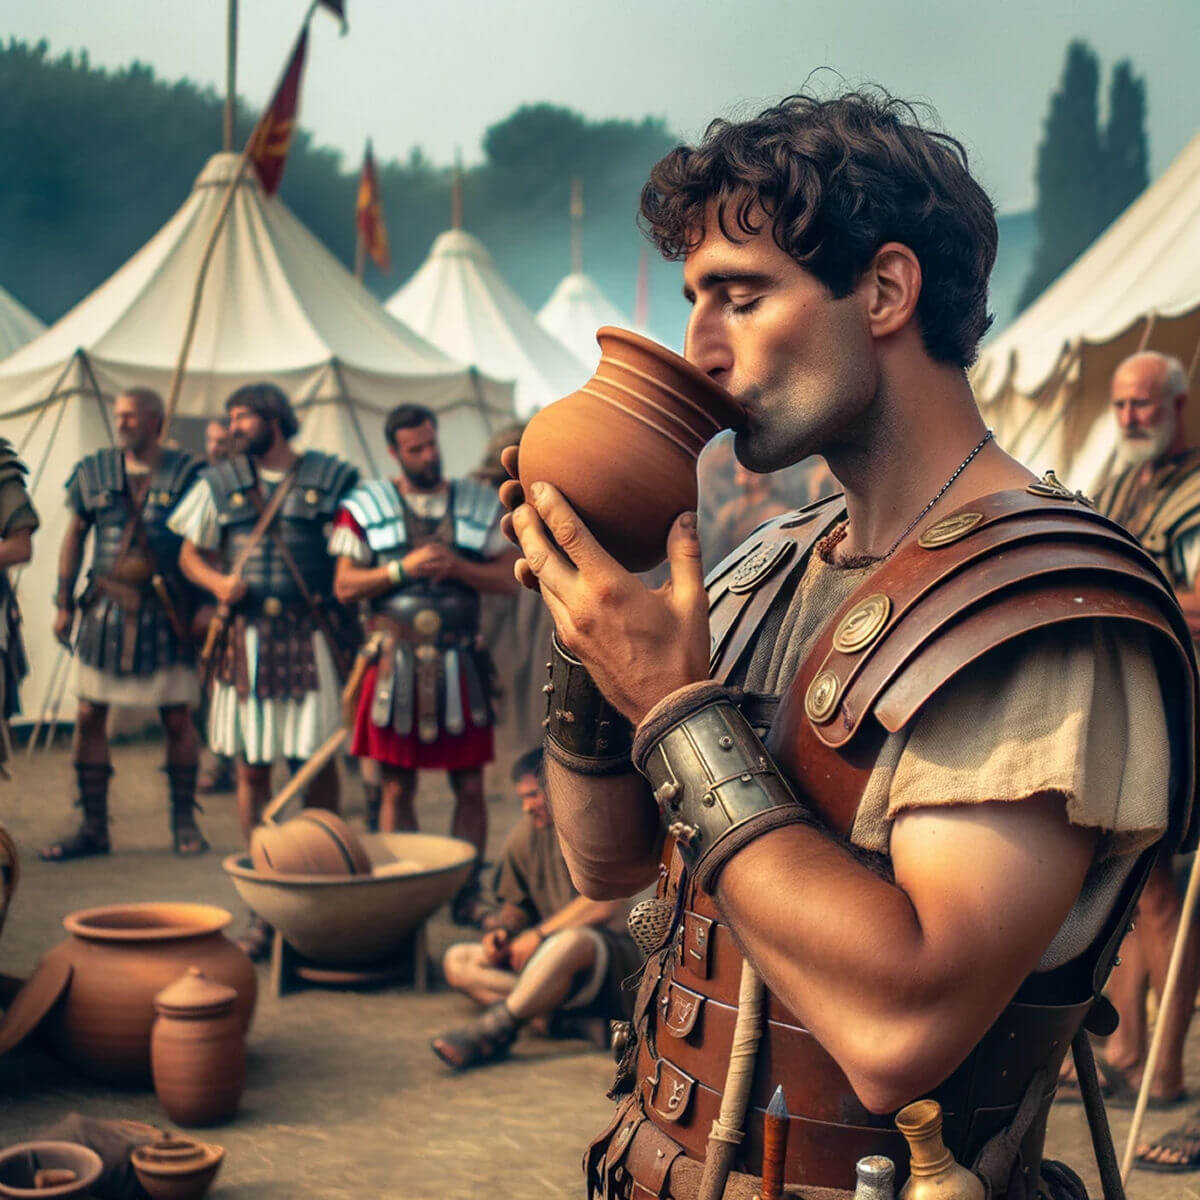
(198, 1050)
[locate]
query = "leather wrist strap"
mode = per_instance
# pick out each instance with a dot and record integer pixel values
(716, 787)
(583, 731)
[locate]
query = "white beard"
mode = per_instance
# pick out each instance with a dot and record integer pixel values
(1133, 452)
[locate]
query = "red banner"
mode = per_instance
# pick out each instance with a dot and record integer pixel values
(369, 214)
(272, 136)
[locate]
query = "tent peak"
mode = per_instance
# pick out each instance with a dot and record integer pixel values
(220, 170)
(457, 243)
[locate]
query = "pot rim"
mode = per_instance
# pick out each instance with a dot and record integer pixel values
(240, 866)
(209, 1155)
(191, 920)
(76, 1187)
(696, 378)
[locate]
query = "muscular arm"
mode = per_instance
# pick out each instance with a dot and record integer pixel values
(17, 548)
(353, 582)
(199, 567)
(70, 553)
(580, 912)
(899, 981)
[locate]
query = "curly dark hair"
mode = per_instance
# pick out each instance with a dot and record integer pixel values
(837, 178)
(268, 402)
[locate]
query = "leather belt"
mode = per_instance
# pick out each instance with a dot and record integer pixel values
(424, 630)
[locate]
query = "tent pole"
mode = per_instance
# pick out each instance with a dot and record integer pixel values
(231, 32)
(344, 396)
(481, 403)
(42, 411)
(360, 256)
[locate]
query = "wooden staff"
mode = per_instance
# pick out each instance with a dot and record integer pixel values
(727, 1129)
(1169, 997)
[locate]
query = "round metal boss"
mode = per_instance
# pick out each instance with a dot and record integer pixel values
(822, 697)
(427, 622)
(948, 529)
(862, 624)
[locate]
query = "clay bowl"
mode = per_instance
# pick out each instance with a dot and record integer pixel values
(121, 957)
(20, 1165)
(177, 1168)
(314, 842)
(359, 920)
(623, 448)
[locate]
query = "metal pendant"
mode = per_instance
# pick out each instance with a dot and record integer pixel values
(862, 624)
(822, 697)
(650, 923)
(1053, 488)
(756, 567)
(948, 529)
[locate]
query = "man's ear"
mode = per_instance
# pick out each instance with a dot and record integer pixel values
(894, 282)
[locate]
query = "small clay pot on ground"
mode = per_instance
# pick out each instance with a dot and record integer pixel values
(124, 955)
(198, 1051)
(177, 1168)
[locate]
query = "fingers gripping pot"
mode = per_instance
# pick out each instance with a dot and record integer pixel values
(623, 448)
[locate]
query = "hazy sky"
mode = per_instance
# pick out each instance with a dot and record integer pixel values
(437, 74)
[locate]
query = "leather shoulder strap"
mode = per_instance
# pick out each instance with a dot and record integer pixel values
(744, 585)
(1000, 567)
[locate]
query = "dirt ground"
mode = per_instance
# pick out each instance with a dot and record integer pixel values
(343, 1097)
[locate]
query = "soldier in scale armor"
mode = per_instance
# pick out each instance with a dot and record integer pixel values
(133, 643)
(18, 523)
(901, 765)
(283, 647)
(419, 549)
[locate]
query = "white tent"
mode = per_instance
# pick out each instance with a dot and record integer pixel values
(277, 305)
(458, 300)
(1043, 383)
(17, 324)
(575, 310)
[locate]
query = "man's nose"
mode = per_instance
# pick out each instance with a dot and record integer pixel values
(706, 346)
(1125, 416)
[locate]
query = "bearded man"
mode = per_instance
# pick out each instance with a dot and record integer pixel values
(904, 765)
(1155, 493)
(134, 642)
(260, 552)
(419, 549)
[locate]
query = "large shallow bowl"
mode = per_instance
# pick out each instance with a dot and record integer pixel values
(19, 1165)
(359, 920)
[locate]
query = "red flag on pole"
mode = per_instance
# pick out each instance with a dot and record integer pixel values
(272, 136)
(641, 303)
(338, 8)
(372, 231)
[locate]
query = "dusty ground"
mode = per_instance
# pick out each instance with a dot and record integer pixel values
(343, 1096)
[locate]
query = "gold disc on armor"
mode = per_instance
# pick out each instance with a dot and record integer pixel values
(948, 529)
(311, 496)
(164, 498)
(237, 499)
(822, 697)
(427, 622)
(863, 624)
(272, 606)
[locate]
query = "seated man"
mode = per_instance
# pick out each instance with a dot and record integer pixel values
(548, 950)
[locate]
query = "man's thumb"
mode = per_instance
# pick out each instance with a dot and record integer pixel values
(683, 555)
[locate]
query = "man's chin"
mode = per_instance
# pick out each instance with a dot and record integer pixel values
(757, 451)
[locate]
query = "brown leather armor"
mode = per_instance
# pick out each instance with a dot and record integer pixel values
(1000, 567)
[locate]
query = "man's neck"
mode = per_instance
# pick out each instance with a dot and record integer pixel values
(143, 460)
(278, 457)
(904, 452)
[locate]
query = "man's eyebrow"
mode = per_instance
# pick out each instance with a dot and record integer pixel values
(715, 279)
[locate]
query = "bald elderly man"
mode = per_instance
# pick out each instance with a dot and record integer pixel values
(1154, 491)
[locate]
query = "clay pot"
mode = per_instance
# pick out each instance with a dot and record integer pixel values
(122, 956)
(37, 1169)
(198, 1050)
(177, 1168)
(623, 448)
(10, 872)
(314, 842)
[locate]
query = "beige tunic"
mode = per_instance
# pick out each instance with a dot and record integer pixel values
(1075, 710)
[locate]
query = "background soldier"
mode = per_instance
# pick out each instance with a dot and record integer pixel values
(18, 521)
(1155, 493)
(134, 645)
(420, 549)
(275, 670)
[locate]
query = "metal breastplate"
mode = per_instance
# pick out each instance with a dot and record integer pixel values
(266, 573)
(456, 605)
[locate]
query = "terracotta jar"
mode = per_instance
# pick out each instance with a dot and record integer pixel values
(176, 1168)
(122, 956)
(198, 1050)
(623, 448)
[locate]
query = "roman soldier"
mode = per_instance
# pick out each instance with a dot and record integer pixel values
(133, 643)
(419, 549)
(254, 529)
(901, 768)
(18, 523)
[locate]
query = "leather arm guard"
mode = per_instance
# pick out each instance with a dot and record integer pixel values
(716, 787)
(584, 732)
